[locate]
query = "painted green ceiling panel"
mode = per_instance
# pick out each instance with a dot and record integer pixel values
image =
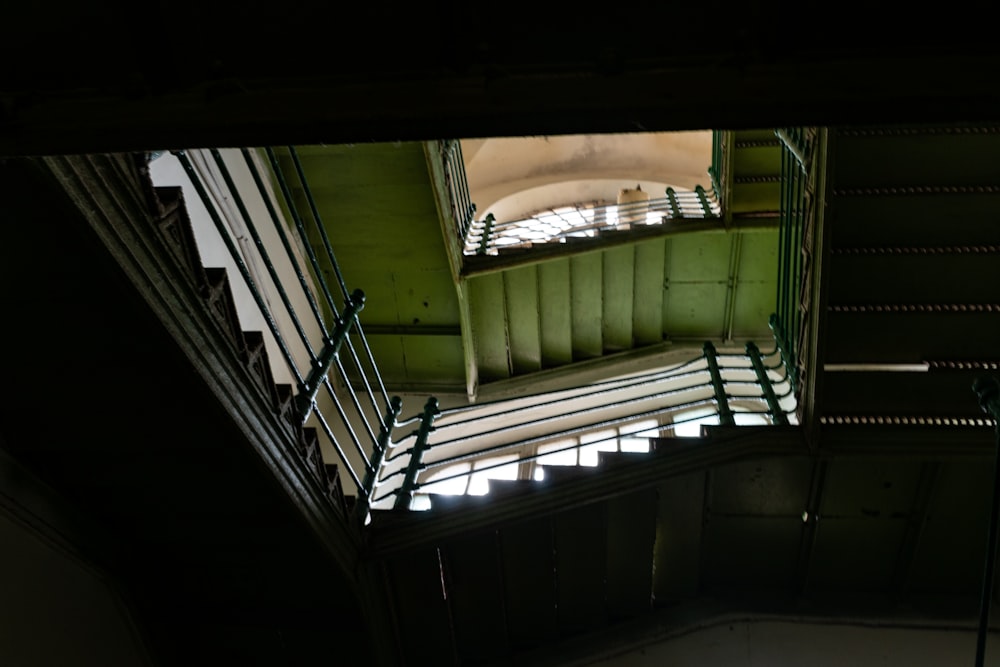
(521, 297)
(699, 257)
(489, 326)
(380, 295)
(753, 197)
(647, 311)
(754, 304)
(388, 353)
(377, 204)
(754, 135)
(759, 256)
(434, 359)
(586, 285)
(618, 279)
(362, 164)
(757, 161)
(553, 309)
(694, 310)
(426, 298)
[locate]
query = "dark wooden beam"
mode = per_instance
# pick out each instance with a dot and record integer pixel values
(105, 77)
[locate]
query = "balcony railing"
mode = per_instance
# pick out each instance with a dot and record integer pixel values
(455, 449)
(558, 225)
(799, 182)
(462, 208)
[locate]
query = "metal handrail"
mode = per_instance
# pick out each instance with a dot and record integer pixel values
(728, 382)
(322, 338)
(796, 216)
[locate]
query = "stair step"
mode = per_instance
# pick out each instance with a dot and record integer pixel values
(580, 563)
(476, 595)
(528, 567)
(631, 532)
(414, 582)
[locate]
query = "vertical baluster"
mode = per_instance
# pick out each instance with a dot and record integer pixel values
(484, 244)
(718, 386)
(378, 453)
(675, 209)
(777, 414)
(988, 392)
(706, 208)
(405, 495)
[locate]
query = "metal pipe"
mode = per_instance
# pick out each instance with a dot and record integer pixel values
(268, 264)
(568, 432)
(347, 424)
(574, 413)
(300, 227)
(339, 450)
(378, 453)
(317, 220)
(279, 228)
(988, 391)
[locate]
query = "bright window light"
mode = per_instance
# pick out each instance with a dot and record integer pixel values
(558, 458)
(479, 485)
(592, 443)
(688, 424)
(448, 487)
(635, 437)
(750, 419)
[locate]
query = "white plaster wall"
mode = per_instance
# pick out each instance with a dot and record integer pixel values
(515, 176)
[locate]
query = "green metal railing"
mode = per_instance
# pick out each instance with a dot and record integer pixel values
(728, 388)
(313, 350)
(721, 169)
(798, 182)
(488, 237)
(457, 185)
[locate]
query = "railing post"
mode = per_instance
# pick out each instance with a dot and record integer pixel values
(675, 209)
(725, 414)
(405, 495)
(787, 351)
(484, 243)
(331, 348)
(777, 414)
(703, 200)
(988, 391)
(378, 453)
